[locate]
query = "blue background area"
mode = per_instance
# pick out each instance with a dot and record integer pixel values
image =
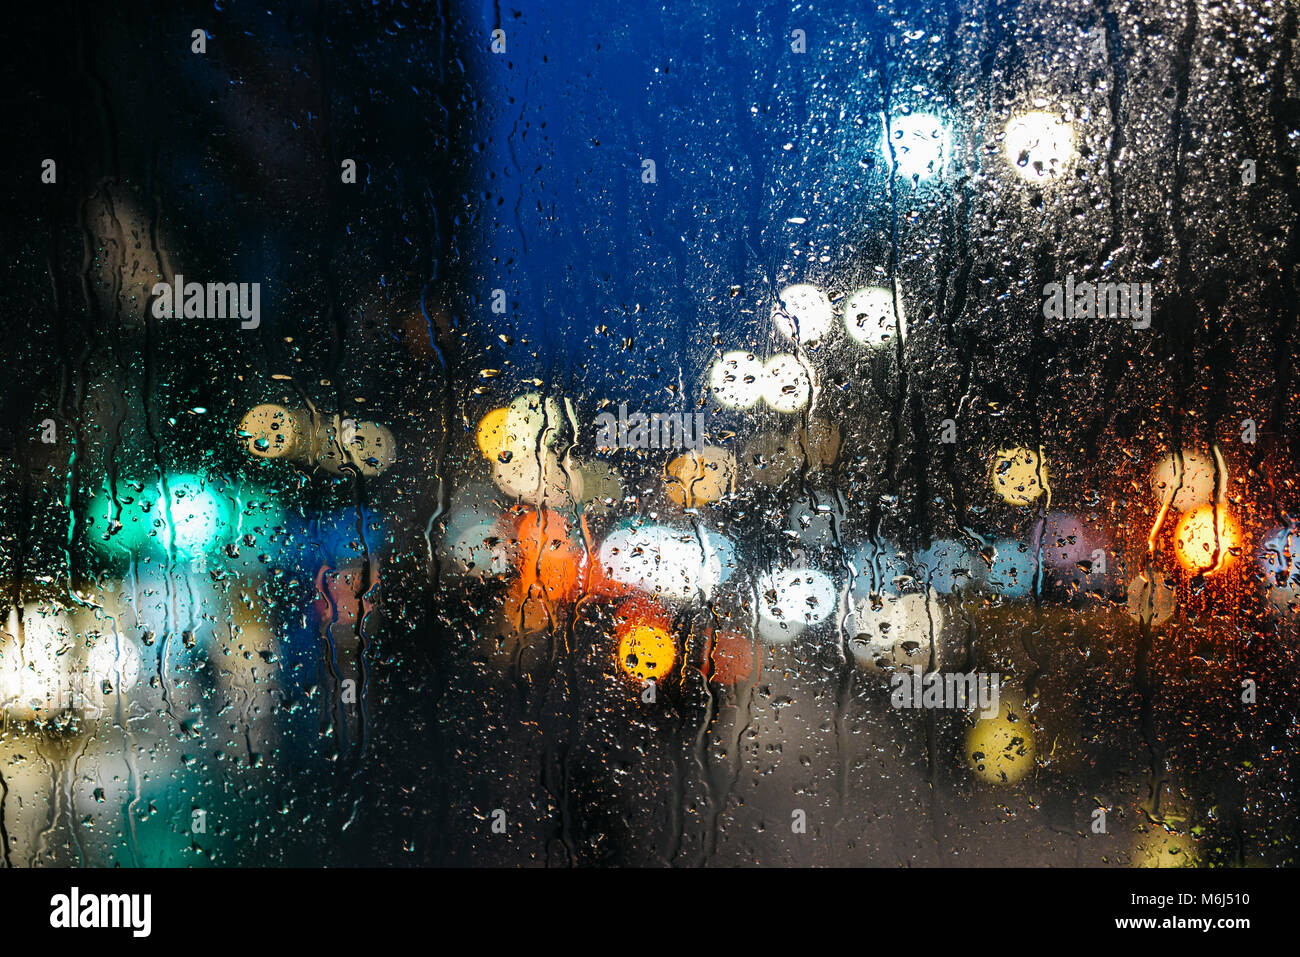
(745, 134)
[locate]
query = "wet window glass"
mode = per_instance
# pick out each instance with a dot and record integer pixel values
(569, 434)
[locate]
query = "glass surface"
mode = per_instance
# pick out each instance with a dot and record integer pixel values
(705, 434)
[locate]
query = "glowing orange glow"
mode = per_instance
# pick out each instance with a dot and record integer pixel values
(491, 435)
(733, 659)
(596, 581)
(647, 651)
(1203, 548)
(526, 609)
(640, 611)
(545, 555)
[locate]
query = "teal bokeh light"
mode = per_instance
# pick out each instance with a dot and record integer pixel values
(183, 516)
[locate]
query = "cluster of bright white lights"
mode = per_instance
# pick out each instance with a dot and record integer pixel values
(872, 316)
(739, 380)
(1039, 146)
(668, 563)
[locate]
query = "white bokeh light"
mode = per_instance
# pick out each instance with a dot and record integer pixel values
(736, 380)
(115, 660)
(539, 478)
(869, 316)
(787, 385)
(920, 145)
(721, 560)
(794, 597)
(803, 313)
(670, 563)
(36, 673)
(1039, 146)
(533, 421)
(894, 630)
(479, 550)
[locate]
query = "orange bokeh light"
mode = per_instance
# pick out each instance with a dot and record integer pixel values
(733, 658)
(640, 611)
(527, 610)
(544, 555)
(1206, 540)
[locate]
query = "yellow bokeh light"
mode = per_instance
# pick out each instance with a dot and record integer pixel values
(273, 432)
(1019, 475)
(647, 652)
(491, 434)
(1000, 750)
(1206, 540)
(699, 478)
(1156, 847)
